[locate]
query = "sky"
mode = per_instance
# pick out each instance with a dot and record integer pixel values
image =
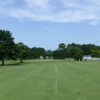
(47, 23)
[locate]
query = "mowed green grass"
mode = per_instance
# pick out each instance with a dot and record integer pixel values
(50, 80)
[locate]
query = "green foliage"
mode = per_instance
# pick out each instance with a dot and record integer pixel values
(73, 50)
(56, 54)
(44, 54)
(35, 55)
(62, 46)
(49, 53)
(99, 53)
(95, 52)
(78, 56)
(7, 45)
(10, 50)
(36, 52)
(22, 51)
(59, 54)
(87, 48)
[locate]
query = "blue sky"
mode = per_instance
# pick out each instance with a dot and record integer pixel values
(46, 23)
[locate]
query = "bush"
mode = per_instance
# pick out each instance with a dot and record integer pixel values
(78, 56)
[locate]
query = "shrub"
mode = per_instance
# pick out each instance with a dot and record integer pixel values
(78, 56)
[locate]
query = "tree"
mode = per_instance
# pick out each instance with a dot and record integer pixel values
(49, 53)
(36, 52)
(73, 50)
(99, 53)
(62, 46)
(78, 56)
(87, 48)
(40, 51)
(22, 54)
(44, 54)
(7, 45)
(63, 54)
(59, 54)
(95, 52)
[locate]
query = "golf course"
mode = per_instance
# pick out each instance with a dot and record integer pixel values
(50, 80)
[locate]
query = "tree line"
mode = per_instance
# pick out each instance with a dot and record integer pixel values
(11, 50)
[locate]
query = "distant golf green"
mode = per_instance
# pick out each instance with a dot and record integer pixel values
(50, 80)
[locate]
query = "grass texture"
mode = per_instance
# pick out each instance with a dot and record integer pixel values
(50, 80)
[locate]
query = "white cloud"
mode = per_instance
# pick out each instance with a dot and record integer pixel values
(54, 11)
(94, 23)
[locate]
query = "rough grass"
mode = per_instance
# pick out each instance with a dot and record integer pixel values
(50, 80)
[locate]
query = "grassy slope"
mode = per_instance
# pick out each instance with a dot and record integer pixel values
(50, 80)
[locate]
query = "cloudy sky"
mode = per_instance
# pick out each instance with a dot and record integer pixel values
(46, 23)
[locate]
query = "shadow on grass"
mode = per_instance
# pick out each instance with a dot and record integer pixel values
(10, 64)
(16, 64)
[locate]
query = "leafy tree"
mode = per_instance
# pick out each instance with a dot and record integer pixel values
(59, 54)
(78, 56)
(75, 45)
(73, 50)
(49, 53)
(34, 55)
(44, 54)
(95, 52)
(54, 54)
(63, 54)
(22, 51)
(38, 55)
(36, 52)
(62, 46)
(40, 51)
(26, 52)
(87, 48)
(99, 53)
(7, 45)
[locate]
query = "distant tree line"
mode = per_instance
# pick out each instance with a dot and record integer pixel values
(10, 50)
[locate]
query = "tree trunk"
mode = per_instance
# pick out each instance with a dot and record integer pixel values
(2, 59)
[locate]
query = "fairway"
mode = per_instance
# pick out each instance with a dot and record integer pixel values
(50, 80)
